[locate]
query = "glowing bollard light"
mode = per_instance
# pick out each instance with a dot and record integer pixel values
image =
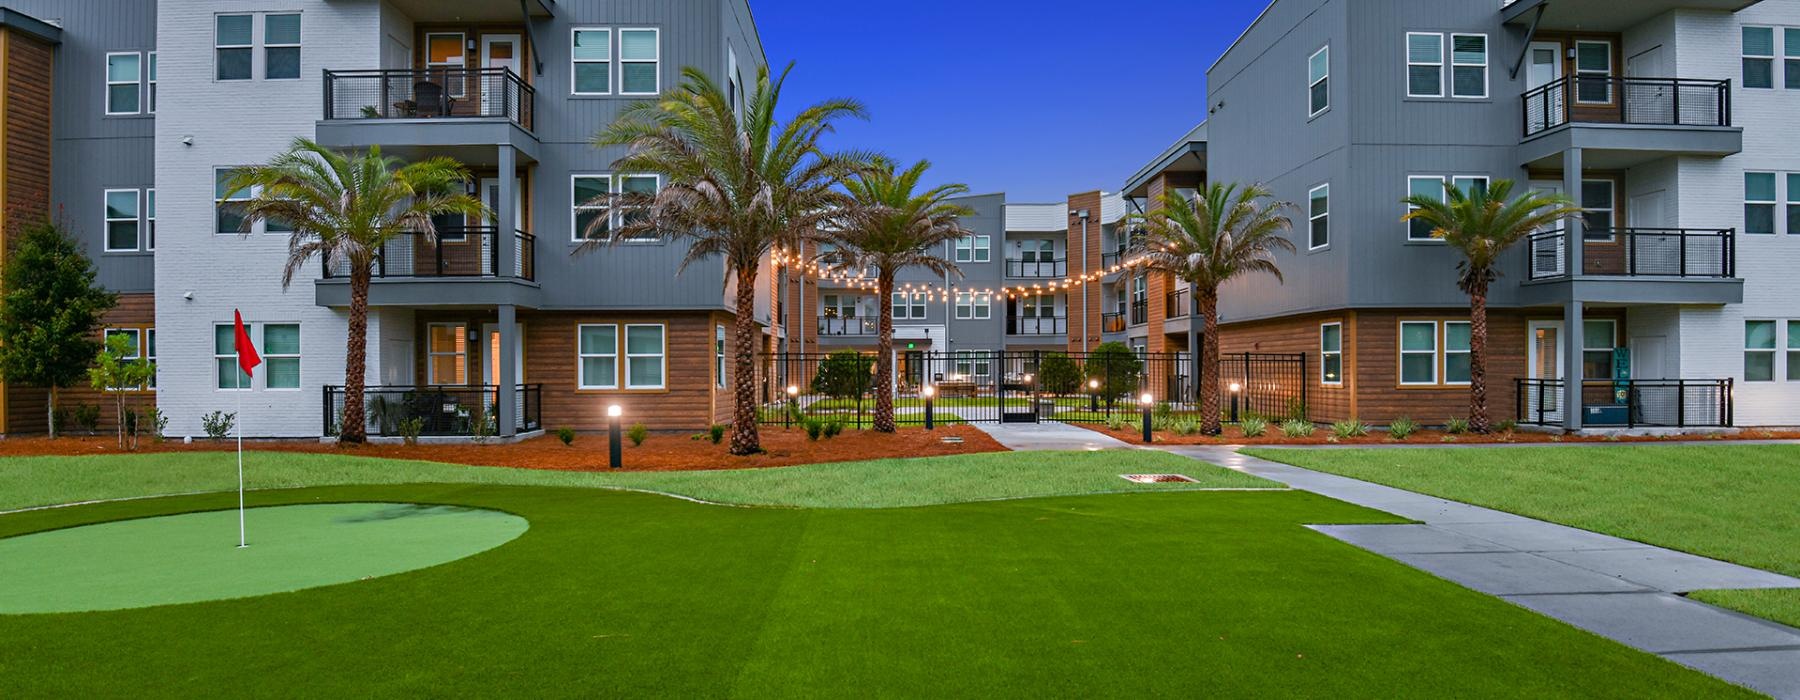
(1094, 395)
(928, 392)
(1146, 401)
(614, 450)
(1236, 388)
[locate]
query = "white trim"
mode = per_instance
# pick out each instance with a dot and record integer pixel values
(1323, 353)
(1773, 203)
(661, 356)
(149, 233)
(150, 82)
(657, 61)
(299, 71)
(581, 358)
(1612, 211)
(974, 249)
(969, 309)
(136, 219)
(1486, 73)
(267, 355)
(462, 338)
(1407, 75)
(1440, 179)
(138, 342)
(1772, 56)
(719, 336)
(1435, 352)
(232, 356)
(1607, 74)
(1446, 352)
(1612, 334)
(217, 47)
(1311, 83)
(136, 83)
(608, 61)
(576, 206)
(1772, 351)
(1312, 219)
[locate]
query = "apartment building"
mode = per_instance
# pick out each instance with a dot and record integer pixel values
(1670, 301)
(1154, 311)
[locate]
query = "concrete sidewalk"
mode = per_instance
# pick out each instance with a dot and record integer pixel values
(1048, 436)
(1617, 588)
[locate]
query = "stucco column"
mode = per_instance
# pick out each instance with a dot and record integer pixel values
(504, 216)
(507, 397)
(1573, 335)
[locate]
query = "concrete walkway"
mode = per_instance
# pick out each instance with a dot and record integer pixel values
(1616, 588)
(1047, 436)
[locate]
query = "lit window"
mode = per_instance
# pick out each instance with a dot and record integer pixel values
(281, 47)
(232, 47)
(1759, 351)
(123, 92)
(1759, 57)
(121, 220)
(1424, 65)
(643, 356)
(591, 61)
(1418, 352)
(446, 362)
(639, 58)
(1468, 65)
(1331, 353)
(445, 63)
(281, 355)
(1318, 82)
(598, 348)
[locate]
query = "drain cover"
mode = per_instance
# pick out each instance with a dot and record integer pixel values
(1158, 478)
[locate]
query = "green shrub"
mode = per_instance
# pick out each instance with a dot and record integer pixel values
(716, 433)
(637, 432)
(566, 435)
(1296, 428)
(410, 429)
(87, 417)
(156, 421)
(1117, 367)
(1507, 426)
(833, 427)
(216, 424)
(1456, 426)
(1185, 426)
(1253, 427)
(1402, 428)
(1349, 429)
(813, 426)
(844, 374)
(1117, 421)
(1058, 374)
(1296, 409)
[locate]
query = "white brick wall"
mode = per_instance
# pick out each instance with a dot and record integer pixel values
(233, 123)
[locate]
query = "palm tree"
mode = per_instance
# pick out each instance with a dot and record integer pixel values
(343, 209)
(1481, 225)
(891, 227)
(1222, 233)
(733, 187)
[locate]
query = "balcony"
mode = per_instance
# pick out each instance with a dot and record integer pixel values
(1627, 121)
(1140, 312)
(432, 111)
(443, 411)
(1037, 325)
(1630, 403)
(1635, 265)
(1112, 323)
(460, 266)
(1037, 269)
(840, 326)
(1110, 260)
(1177, 305)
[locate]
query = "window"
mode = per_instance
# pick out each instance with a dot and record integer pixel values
(281, 47)
(1793, 206)
(1424, 65)
(839, 305)
(121, 220)
(591, 61)
(1456, 352)
(150, 219)
(1038, 306)
(227, 205)
(637, 185)
(1331, 353)
(1470, 185)
(124, 94)
(719, 355)
(590, 195)
(1793, 351)
(1418, 352)
(972, 249)
(1468, 65)
(150, 353)
(909, 306)
(444, 61)
(1037, 250)
(131, 335)
(1598, 338)
(1597, 197)
(643, 356)
(973, 363)
(230, 376)
(639, 57)
(152, 82)
(1790, 51)
(1318, 82)
(1759, 203)
(281, 355)
(972, 306)
(1318, 230)
(446, 362)
(232, 47)
(1759, 351)
(1424, 186)
(597, 347)
(1759, 57)
(1593, 72)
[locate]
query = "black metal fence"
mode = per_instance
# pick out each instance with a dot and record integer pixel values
(1266, 385)
(1037, 325)
(1600, 99)
(429, 93)
(440, 411)
(1632, 403)
(1636, 252)
(1035, 269)
(463, 251)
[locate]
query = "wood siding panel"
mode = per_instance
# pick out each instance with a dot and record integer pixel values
(1296, 334)
(25, 406)
(686, 404)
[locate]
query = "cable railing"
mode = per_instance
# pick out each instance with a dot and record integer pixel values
(1177, 304)
(1140, 312)
(1038, 325)
(462, 251)
(1636, 252)
(839, 325)
(429, 93)
(1601, 99)
(1037, 269)
(1629, 403)
(439, 411)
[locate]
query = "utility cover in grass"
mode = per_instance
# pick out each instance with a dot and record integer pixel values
(195, 557)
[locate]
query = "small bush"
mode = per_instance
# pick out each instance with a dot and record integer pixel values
(1507, 426)
(218, 424)
(87, 417)
(1349, 429)
(1185, 426)
(716, 433)
(566, 435)
(1456, 426)
(156, 421)
(814, 427)
(1297, 428)
(1117, 422)
(1253, 427)
(410, 429)
(1402, 428)
(832, 428)
(637, 432)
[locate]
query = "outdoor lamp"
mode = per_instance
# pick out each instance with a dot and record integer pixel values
(1235, 388)
(1146, 400)
(614, 450)
(928, 392)
(1094, 395)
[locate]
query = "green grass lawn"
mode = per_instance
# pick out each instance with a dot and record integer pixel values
(628, 594)
(1730, 502)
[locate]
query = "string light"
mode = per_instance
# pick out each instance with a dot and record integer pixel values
(861, 278)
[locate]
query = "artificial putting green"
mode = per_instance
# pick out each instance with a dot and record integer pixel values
(194, 557)
(625, 594)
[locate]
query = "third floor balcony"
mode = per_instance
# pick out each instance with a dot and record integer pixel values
(1635, 265)
(1041, 268)
(1625, 121)
(429, 93)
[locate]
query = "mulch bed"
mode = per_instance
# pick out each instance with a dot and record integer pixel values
(782, 447)
(1323, 436)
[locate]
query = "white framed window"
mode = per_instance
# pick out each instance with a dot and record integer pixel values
(124, 88)
(591, 197)
(233, 47)
(132, 336)
(228, 205)
(719, 356)
(909, 306)
(150, 84)
(627, 214)
(445, 59)
(1431, 186)
(1598, 339)
(1793, 204)
(1598, 199)
(281, 47)
(973, 249)
(1759, 351)
(973, 363)
(640, 61)
(1318, 223)
(1469, 185)
(1759, 203)
(644, 355)
(1790, 52)
(1593, 72)
(121, 220)
(150, 353)
(1759, 57)
(1469, 65)
(1424, 64)
(1793, 351)
(1038, 306)
(1318, 82)
(734, 82)
(447, 354)
(281, 355)
(597, 352)
(1457, 352)
(230, 376)
(1418, 352)
(1331, 354)
(150, 219)
(590, 56)
(970, 306)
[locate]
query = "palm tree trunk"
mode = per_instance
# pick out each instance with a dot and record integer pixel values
(744, 437)
(884, 355)
(1478, 333)
(50, 413)
(356, 359)
(1210, 423)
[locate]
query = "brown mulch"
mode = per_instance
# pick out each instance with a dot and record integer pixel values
(782, 447)
(1323, 436)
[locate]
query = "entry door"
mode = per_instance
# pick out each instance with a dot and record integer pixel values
(1648, 251)
(1547, 254)
(1545, 66)
(499, 51)
(1544, 361)
(490, 351)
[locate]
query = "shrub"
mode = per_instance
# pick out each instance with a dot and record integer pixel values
(1253, 427)
(716, 433)
(1117, 422)
(86, 416)
(833, 427)
(1402, 428)
(1296, 428)
(410, 428)
(1296, 409)
(844, 374)
(1456, 426)
(1507, 426)
(218, 424)
(156, 421)
(1117, 367)
(1058, 374)
(1349, 429)
(1185, 426)
(566, 435)
(813, 426)
(637, 432)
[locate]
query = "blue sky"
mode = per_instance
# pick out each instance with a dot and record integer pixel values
(1037, 99)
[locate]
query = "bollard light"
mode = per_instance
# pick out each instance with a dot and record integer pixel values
(614, 447)
(1094, 395)
(1146, 400)
(928, 392)
(1235, 388)
(793, 394)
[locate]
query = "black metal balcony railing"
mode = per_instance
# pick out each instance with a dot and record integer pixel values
(1038, 325)
(1594, 99)
(429, 93)
(1112, 323)
(1140, 312)
(1177, 304)
(1037, 268)
(1637, 252)
(1109, 260)
(443, 411)
(455, 252)
(838, 325)
(1630, 403)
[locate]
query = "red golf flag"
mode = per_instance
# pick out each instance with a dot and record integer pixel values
(246, 350)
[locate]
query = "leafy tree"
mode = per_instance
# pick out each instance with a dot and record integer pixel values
(1058, 374)
(844, 374)
(1117, 368)
(344, 209)
(118, 371)
(735, 188)
(889, 227)
(1480, 226)
(51, 312)
(1220, 234)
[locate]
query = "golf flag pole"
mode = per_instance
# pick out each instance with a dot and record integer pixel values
(247, 361)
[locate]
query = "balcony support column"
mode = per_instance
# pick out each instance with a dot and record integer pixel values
(1574, 335)
(507, 392)
(505, 232)
(1574, 241)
